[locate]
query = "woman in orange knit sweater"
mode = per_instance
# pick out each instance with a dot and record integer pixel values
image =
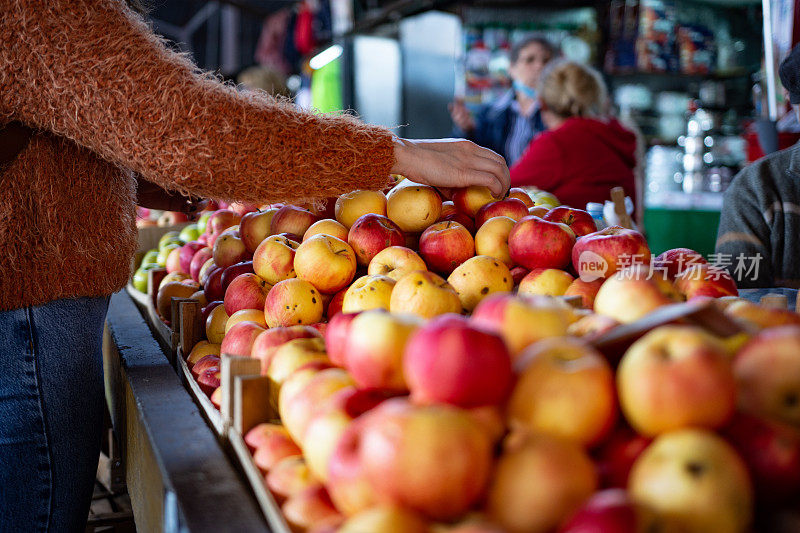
(107, 98)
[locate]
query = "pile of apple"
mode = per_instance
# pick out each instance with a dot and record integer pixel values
(413, 402)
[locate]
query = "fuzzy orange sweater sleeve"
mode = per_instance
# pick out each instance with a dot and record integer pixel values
(93, 72)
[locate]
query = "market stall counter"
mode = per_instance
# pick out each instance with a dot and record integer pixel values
(178, 476)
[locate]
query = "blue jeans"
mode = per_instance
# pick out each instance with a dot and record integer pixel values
(51, 408)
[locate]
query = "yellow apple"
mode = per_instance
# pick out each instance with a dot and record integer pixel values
(539, 482)
(424, 294)
(492, 239)
(676, 377)
(368, 292)
(352, 205)
(215, 324)
(326, 262)
(478, 277)
(695, 482)
(566, 389)
(273, 259)
(246, 315)
(293, 302)
(326, 226)
(395, 262)
(413, 208)
(546, 281)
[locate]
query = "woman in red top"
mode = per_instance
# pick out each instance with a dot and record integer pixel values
(583, 154)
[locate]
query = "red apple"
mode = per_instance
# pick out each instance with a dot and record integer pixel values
(520, 194)
(205, 311)
(579, 221)
(209, 380)
(347, 482)
(537, 243)
(255, 227)
(767, 373)
(510, 207)
(199, 258)
(451, 360)
(240, 337)
(205, 362)
(265, 345)
(335, 304)
(292, 219)
(675, 261)
(336, 336)
(276, 445)
(373, 348)
(173, 262)
(229, 249)
(587, 290)
(246, 291)
(459, 217)
(602, 253)
(615, 457)
(273, 260)
(309, 508)
(432, 459)
(187, 253)
(213, 287)
(518, 273)
(232, 272)
(370, 234)
(705, 280)
(610, 510)
(221, 220)
(772, 454)
(445, 245)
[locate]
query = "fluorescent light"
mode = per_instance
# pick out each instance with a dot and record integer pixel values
(325, 57)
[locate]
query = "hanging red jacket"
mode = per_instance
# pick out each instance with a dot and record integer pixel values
(580, 161)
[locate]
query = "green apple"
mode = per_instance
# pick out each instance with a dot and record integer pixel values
(164, 252)
(150, 257)
(170, 237)
(140, 277)
(203, 221)
(189, 233)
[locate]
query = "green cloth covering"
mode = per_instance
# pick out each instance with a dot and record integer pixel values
(673, 228)
(326, 87)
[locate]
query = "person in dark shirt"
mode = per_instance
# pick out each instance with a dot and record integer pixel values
(759, 230)
(507, 125)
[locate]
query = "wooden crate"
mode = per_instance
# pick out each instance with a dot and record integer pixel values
(245, 404)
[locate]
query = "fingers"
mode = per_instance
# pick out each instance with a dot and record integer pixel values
(487, 179)
(494, 163)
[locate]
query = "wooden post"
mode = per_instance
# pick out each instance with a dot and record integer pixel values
(154, 277)
(233, 366)
(189, 325)
(618, 197)
(775, 301)
(251, 404)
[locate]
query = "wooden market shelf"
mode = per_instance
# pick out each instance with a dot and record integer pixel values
(245, 403)
(178, 475)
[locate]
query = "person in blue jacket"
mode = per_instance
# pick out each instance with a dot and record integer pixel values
(508, 125)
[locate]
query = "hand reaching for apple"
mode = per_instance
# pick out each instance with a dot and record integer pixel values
(451, 163)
